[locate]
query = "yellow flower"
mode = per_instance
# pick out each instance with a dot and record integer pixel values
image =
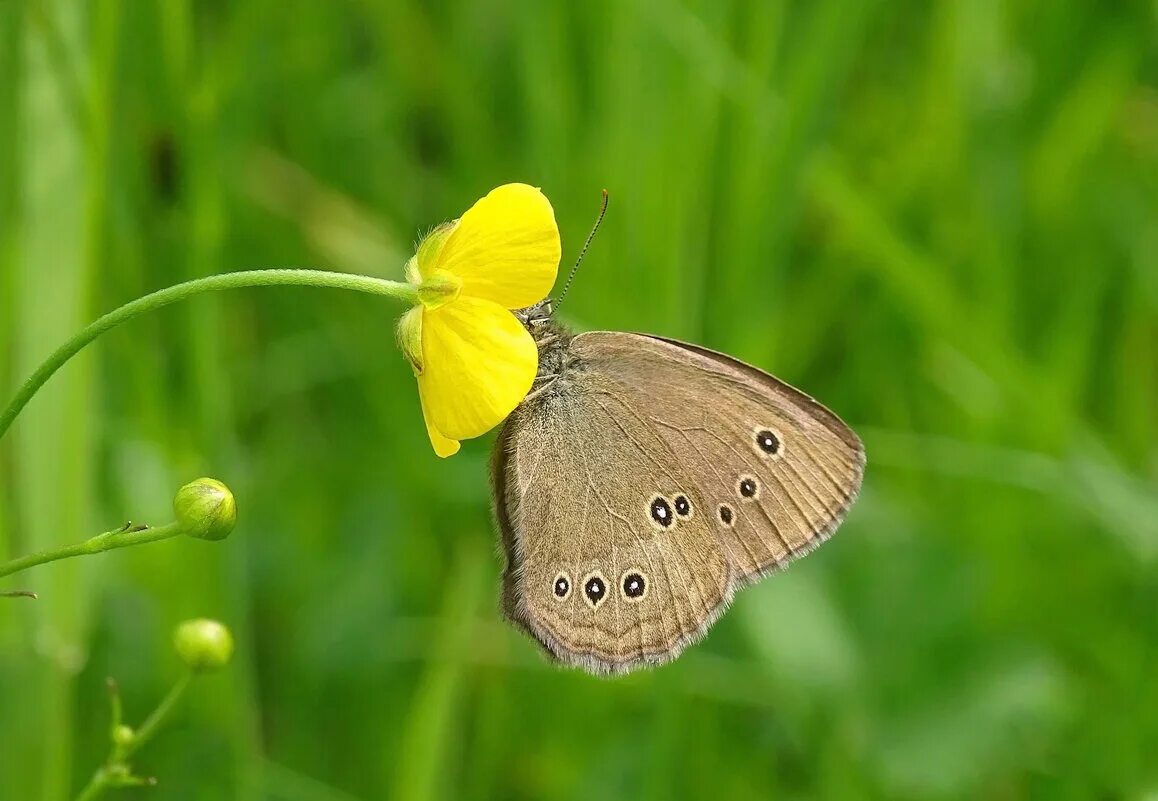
(473, 358)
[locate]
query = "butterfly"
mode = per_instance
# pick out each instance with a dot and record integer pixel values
(643, 481)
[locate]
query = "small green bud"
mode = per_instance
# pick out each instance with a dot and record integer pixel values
(203, 644)
(205, 509)
(123, 735)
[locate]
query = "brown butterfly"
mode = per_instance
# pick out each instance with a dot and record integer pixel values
(643, 481)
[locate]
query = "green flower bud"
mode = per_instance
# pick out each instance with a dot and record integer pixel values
(122, 735)
(205, 509)
(203, 644)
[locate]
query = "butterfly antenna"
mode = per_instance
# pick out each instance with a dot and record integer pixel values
(583, 252)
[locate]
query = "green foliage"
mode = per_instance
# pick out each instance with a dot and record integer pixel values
(937, 218)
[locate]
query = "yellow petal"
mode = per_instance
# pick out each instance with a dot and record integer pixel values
(443, 446)
(479, 363)
(505, 248)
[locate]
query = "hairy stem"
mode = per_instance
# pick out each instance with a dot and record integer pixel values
(154, 721)
(117, 538)
(213, 283)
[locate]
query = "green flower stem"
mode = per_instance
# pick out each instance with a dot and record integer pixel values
(213, 283)
(95, 787)
(116, 771)
(154, 721)
(107, 778)
(117, 538)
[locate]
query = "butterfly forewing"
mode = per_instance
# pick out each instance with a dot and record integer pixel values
(778, 469)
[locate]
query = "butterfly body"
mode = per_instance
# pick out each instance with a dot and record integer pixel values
(642, 481)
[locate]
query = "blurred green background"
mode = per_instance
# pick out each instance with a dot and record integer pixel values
(939, 218)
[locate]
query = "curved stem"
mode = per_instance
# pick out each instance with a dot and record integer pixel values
(213, 283)
(154, 721)
(95, 787)
(116, 771)
(117, 538)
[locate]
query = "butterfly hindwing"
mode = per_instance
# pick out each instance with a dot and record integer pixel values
(601, 566)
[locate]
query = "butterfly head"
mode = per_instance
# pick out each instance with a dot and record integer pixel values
(551, 338)
(537, 316)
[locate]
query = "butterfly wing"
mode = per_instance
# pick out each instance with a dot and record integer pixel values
(778, 470)
(646, 483)
(602, 568)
